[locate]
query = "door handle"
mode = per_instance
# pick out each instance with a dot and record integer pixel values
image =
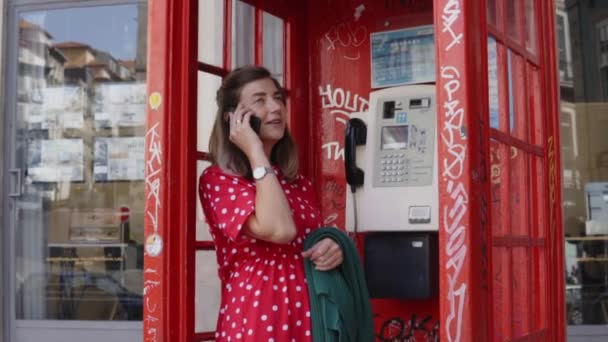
(17, 192)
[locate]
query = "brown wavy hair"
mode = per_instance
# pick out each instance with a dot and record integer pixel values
(224, 152)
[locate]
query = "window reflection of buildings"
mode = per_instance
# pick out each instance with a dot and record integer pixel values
(582, 35)
(44, 63)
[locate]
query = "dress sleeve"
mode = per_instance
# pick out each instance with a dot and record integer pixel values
(227, 201)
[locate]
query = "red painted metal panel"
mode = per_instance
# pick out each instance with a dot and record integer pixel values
(464, 257)
(555, 255)
(170, 167)
(156, 173)
(228, 35)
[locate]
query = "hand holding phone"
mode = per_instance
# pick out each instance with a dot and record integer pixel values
(254, 121)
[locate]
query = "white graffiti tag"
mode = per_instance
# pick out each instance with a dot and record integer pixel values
(153, 169)
(334, 150)
(451, 13)
(454, 212)
(347, 35)
(341, 103)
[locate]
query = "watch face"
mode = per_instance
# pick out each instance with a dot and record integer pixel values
(259, 172)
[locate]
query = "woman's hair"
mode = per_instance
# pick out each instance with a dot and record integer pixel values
(224, 152)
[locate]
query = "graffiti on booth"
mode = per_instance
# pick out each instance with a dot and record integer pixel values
(341, 104)
(451, 14)
(151, 319)
(456, 207)
(152, 277)
(153, 168)
(349, 35)
(454, 142)
(415, 329)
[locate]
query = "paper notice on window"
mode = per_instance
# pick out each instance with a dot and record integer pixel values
(55, 160)
(58, 108)
(119, 159)
(120, 105)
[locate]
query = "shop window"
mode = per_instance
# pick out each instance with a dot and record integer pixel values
(583, 125)
(602, 34)
(80, 128)
(564, 47)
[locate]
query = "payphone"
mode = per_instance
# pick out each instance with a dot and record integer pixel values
(391, 166)
(398, 161)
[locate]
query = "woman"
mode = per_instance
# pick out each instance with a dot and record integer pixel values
(259, 211)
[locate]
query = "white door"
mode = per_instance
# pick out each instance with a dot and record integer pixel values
(76, 94)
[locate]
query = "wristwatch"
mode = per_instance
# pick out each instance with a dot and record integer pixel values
(261, 171)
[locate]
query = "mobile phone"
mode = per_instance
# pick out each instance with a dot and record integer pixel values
(256, 124)
(254, 121)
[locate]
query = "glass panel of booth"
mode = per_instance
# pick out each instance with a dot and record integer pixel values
(536, 113)
(211, 32)
(491, 12)
(493, 84)
(243, 33)
(502, 293)
(274, 46)
(519, 181)
(207, 292)
(202, 228)
(540, 225)
(531, 25)
(499, 190)
(513, 18)
(518, 118)
(521, 291)
(206, 108)
(81, 102)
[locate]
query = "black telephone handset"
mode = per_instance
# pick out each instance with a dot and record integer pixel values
(356, 133)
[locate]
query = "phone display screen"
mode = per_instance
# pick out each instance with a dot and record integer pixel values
(394, 137)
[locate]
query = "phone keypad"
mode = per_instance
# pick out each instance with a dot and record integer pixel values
(394, 168)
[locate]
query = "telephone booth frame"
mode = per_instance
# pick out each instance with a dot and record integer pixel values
(466, 160)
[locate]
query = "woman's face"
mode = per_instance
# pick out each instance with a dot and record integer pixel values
(266, 102)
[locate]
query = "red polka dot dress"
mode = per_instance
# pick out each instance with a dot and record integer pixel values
(264, 292)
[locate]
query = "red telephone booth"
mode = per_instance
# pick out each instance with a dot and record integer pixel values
(500, 235)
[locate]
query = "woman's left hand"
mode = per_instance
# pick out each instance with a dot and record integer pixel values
(325, 254)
